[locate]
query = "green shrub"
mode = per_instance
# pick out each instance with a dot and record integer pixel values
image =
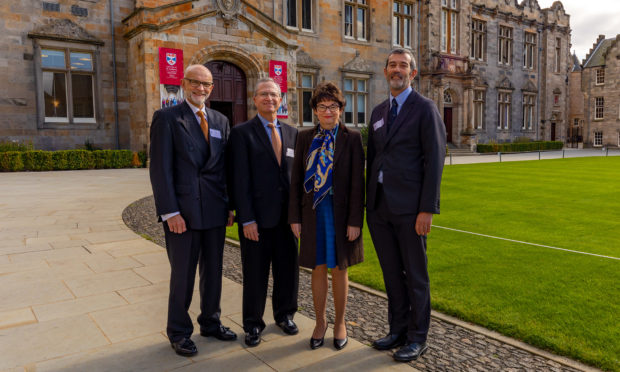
(113, 159)
(11, 161)
(59, 159)
(143, 158)
(15, 146)
(80, 159)
(520, 147)
(38, 160)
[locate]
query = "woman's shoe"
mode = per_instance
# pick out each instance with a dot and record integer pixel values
(340, 343)
(316, 343)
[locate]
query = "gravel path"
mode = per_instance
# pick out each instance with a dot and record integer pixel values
(451, 347)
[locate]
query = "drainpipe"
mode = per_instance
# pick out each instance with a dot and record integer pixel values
(116, 129)
(539, 29)
(418, 37)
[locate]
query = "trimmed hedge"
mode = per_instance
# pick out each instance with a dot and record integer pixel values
(520, 147)
(37, 160)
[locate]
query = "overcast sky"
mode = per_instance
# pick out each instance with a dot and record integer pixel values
(588, 19)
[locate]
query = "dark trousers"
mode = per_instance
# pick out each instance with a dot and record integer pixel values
(204, 248)
(402, 255)
(277, 246)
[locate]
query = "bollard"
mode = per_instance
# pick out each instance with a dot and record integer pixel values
(538, 154)
(500, 156)
(607, 151)
(450, 158)
(562, 153)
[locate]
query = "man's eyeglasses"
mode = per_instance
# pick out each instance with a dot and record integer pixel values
(268, 94)
(323, 108)
(197, 83)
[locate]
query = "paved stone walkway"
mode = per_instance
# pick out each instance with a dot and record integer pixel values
(79, 291)
(452, 347)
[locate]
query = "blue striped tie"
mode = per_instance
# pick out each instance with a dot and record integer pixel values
(393, 113)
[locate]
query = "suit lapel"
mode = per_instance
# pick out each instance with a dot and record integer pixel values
(215, 143)
(260, 132)
(381, 132)
(189, 123)
(341, 140)
(403, 115)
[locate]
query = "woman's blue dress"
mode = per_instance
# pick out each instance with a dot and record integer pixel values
(325, 232)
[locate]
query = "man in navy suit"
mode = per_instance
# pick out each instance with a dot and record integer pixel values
(188, 176)
(263, 151)
(406, 150)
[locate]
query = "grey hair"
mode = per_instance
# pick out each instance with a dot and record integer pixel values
(267, 80)
(402, 51)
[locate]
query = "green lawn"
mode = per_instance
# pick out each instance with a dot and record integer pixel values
(561, 301)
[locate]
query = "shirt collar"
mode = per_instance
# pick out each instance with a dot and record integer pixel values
(402, 97)
(266, 122)
(196, 109)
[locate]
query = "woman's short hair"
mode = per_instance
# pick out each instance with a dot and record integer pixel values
(326, 91)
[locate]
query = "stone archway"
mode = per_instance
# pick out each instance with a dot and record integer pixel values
(249, 65)
(229, 95)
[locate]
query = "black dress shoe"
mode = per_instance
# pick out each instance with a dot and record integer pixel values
(390, 341)
(316, 343)
(340, 343)
(184, 347)
(410, 352)
(289, 327)
(221, 333)
(252, 338)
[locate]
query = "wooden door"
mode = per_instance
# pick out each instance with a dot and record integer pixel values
(553, 131)
(229, 91)
(447, 120)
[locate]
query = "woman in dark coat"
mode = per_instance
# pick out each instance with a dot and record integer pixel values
(326, 209)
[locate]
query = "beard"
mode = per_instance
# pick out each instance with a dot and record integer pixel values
(403, 83)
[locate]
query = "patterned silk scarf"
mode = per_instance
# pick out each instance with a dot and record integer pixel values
(320, 162)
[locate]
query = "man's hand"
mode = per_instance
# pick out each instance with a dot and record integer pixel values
(176, 224)
(423, 223)
(231, 218)
(296, 227)
(251, 231)
(353, 232)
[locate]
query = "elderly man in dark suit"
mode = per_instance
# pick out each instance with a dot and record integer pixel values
(406, 150)
(263, 150)
(188, 177)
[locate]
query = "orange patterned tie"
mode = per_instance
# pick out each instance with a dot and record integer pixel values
(276, 142)
(203, 124)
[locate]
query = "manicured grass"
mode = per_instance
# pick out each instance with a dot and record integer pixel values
(561, 301)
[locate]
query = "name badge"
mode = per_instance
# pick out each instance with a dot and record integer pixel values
(290, 153)
(215, 133)
(377, 125)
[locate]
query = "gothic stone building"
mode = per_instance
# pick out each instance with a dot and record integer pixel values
(87, 70)
(600, 88)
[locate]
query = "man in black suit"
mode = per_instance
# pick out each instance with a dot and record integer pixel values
(263, 151)
(406, 150)
(188, 177)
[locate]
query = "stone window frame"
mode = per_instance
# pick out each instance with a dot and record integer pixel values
(353, 33)
(355, 93)
(479, 108)
(478, 40)
(529, 111)
(400, 17)
(300, 12)
(449, 25)
(600, 76)
(68, 46)
(301, 89)
(599, 108)
(530, 50)
(597, 140)
(504, 109)
(505, 45)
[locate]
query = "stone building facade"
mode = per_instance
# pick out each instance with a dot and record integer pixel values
(600, 87)
(497, 69)
(576, 119)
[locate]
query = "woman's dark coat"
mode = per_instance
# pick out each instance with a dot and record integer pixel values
(348, 188)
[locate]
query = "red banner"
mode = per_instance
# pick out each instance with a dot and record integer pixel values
(170, 66)
(277, 71)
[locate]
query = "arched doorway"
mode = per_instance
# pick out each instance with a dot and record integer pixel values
(447, 114)
(229, 91)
